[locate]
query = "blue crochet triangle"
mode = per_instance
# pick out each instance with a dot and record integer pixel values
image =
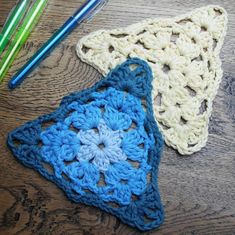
(102, 146)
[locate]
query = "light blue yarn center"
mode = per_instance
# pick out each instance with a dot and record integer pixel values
(103, 140)
(101, 147)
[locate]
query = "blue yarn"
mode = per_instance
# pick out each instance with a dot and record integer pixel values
(102, 148)
(102, 145)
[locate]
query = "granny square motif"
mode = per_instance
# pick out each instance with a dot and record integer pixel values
(183, 53)
(102, 146)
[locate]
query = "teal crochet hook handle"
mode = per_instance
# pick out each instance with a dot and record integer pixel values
(84, 13)
(13, 20)
(22, 35)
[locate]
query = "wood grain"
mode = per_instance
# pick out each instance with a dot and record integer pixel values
(198, 191)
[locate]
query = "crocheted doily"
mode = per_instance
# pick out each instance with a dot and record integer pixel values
(102, 146)
(183, 53)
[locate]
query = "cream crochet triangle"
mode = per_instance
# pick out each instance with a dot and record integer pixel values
(183, 53)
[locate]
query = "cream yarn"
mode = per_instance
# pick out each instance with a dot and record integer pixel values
(183, 53)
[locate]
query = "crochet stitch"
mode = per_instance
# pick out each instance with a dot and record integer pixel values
(183, 53)
(102, 146)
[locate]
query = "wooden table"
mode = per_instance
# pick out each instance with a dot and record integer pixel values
(198, 191)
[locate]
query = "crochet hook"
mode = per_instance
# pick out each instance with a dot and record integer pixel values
(22, 35)
(85, 13)
(13, 19)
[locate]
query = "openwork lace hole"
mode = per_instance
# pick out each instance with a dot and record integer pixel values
(158, 99)
(69, 113)
(214, 43)
(174, 37)
(218, 12)
(151, 61)
(89, 100)
(95, 129)
(101, 180)
(199, 58)
(133, 126)
(88, 191)
(141, 32)
(133, 67)
(66, 163)
(193, 40)
(101, 89)
(141, 74)
(141, 44)
(164, 126)
(46, 124)
(149, 177)
(48, 168)
(203, 107)
(141, 146)
(101, 146)
(16, 142)
(85, 49)
(66, 177)
(126, 89)
(134, 198)
(122, 35)
(191, 145)
(122, 181)
(39, 144)
(102, 108)
(147, 219)
(183, 121)
(184, 21)
(75, 192)
(111, 49)
(128, 56)
(166, 68)
(135, 164)
(113, 204)
(144, 104)
(74, 129)
(190, 91)
(209, 65)
(162, 112)
(203, 28)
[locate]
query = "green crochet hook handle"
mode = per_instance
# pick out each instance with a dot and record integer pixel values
(13, 20)
(22, 35)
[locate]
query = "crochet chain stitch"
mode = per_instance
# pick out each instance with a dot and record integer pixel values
(102, 146)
